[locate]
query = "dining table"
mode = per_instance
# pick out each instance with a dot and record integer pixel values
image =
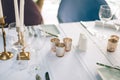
(74, 65)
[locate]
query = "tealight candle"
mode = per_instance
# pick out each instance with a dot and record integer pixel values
(60, 49)
(112, 43)
(54, 41)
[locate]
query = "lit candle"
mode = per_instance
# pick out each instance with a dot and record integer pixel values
(22, 3)
(1, 11)
(16, 13)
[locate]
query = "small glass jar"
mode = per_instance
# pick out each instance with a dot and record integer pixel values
(115, 37)
(112, 44)
(54, 41)
(68, 43)
(60, 49)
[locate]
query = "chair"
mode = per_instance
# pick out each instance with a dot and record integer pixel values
(79, 10)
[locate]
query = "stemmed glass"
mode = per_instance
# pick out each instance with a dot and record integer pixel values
(105, 15)
(39, 40)
(12, 30)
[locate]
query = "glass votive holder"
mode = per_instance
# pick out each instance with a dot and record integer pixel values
(112, 45)
(68, 43)
(60, 49)
(54, 41)
(114, 37)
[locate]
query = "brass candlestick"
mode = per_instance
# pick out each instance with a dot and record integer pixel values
(22, 55)
(4, 55)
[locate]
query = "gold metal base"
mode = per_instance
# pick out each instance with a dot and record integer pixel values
(23, 56)
(6, 55)
(2, 21)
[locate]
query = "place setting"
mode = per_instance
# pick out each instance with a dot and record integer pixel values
(108, 72)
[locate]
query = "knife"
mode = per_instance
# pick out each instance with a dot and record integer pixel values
(47, 76)
(111, 67)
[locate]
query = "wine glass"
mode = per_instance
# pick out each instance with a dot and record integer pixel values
(11, 37)
(38, 40)
(105, 13)
(12, 30)
(38, 43)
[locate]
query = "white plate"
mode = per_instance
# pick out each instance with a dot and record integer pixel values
(109, 74)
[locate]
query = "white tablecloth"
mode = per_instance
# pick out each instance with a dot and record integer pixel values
(75, 65)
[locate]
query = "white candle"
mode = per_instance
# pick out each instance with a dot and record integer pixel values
(22, 3)
(1, 11)
(16, 13)
(82, 44)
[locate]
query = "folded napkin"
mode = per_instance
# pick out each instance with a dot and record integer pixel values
(108, 24)
(109, 74)
(49, 29)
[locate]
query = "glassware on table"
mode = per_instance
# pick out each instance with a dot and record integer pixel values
(11, 37)
(11, 32)
(116, 20)
(105, 14)
(39, 39)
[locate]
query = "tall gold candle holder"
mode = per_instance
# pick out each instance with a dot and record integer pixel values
(5, 55)
(22, 55)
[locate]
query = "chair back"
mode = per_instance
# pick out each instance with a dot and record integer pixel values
(79, 10)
